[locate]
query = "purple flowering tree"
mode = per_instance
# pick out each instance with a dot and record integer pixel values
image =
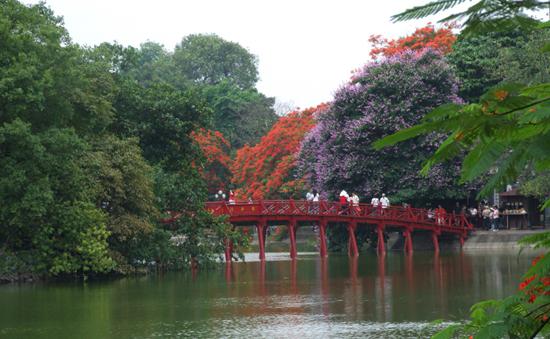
(380, 99)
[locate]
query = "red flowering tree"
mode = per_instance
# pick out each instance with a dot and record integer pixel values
(440, 39)
(266, 170)
(215, 148)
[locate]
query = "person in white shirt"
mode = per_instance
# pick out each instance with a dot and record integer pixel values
(384, 201)
(315, 196)
(355, 202)
(374, 202)
(309, 196)
(494, 218)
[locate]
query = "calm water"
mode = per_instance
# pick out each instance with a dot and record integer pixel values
(370, 297)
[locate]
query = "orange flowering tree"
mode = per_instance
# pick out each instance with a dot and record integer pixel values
(441, 39)
(266, 170)
(217, 164)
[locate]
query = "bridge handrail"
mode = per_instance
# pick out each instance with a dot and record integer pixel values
(336, 209)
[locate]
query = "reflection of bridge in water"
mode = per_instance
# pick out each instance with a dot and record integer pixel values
(327, 214)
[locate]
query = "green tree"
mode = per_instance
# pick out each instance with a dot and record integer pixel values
(508, 133)
(485, 60)
(46, 80)
(243, 116)
(208, 59)
(47, 207)
(124, 190)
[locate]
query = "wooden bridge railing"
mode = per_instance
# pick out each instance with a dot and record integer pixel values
(335, 210)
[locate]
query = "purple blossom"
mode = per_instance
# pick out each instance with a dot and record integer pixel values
(382, 98)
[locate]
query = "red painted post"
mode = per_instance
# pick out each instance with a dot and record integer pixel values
(323, 238)
(260, 227)
(381, 244)
(408, 241)
(292, 235)
(461, 241)
(352, 242)
(435, 240)
(228, 250)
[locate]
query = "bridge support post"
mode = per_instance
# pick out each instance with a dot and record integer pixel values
(435, 241)
(461, 241)
(381, 243)
(228, 250)
(292, 235)
(260, 227)
(352, 241)
(323, 238)
(408, 241)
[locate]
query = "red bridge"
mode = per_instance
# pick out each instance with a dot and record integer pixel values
(406, 220)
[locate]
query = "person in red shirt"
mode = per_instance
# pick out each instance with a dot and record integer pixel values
(440, 215)
(344, 197)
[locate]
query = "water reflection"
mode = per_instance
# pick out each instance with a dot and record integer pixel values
(392, 295)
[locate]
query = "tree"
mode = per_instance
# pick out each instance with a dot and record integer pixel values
(47, 208)
(266, 170)
(242, 116)
(382, 98)
(207, 59)
(441, 40)
(506, 133)
(123, 190)
(485, 60)
(46, 80)
(215, 148)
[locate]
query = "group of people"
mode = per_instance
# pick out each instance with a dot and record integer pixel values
(439, 214)
(383, 202)
(312, 196)
(490, 216)
(348, 201)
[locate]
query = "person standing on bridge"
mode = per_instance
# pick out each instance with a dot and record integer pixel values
(385, 202)
(309, 200)
(315, 196)
(344, 198)
(355, 203)
(374, 203)
(440, 214)
(315, 202)
(231, 197)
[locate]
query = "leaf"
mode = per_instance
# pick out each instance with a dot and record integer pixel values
(494, 330)
(481, 158)
(443, 111)
(401, 135)
(448, 149)
(541, 90)
(446, 333)
(431, 8)
(507, 172)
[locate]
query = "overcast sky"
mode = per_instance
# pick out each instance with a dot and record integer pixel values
(306, 48)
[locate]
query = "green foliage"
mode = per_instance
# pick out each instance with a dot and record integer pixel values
(508, 129)
(485, 60)
(207, 59)
(482, 16)
(507, 133)
(94, 142)
(123, 188)
(46, 201)
(536, 185)
(243, 116)
(44, 79)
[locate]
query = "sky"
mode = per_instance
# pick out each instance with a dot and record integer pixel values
(306, 49)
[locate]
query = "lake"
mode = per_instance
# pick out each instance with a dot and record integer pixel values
(395, 296)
